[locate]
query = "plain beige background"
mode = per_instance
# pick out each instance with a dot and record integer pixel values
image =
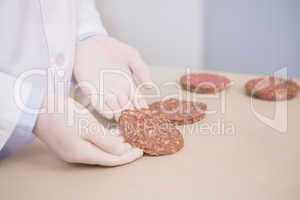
(255, 162)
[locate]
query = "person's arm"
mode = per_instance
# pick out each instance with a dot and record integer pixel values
(112, 70)
(81, 138)
(15, 124)
(88, 20)
(97, 51)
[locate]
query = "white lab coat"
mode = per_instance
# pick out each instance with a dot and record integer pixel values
(37, 34)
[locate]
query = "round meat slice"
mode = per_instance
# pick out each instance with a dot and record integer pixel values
(150, 131)
(180, 112)
(204, 83)
(272, 88)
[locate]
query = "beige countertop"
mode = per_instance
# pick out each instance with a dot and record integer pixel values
(233, 154)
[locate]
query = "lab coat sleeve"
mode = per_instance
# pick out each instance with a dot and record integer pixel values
(16, 124)
(89, 21)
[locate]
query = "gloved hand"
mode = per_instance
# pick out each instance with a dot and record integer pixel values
(85, 141)
(113, 69)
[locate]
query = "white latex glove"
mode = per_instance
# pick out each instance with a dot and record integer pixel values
(86, 141)
(99, 54)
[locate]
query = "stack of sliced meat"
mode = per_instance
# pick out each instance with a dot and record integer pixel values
(154, 130)
(272, 88)
(204, 83)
